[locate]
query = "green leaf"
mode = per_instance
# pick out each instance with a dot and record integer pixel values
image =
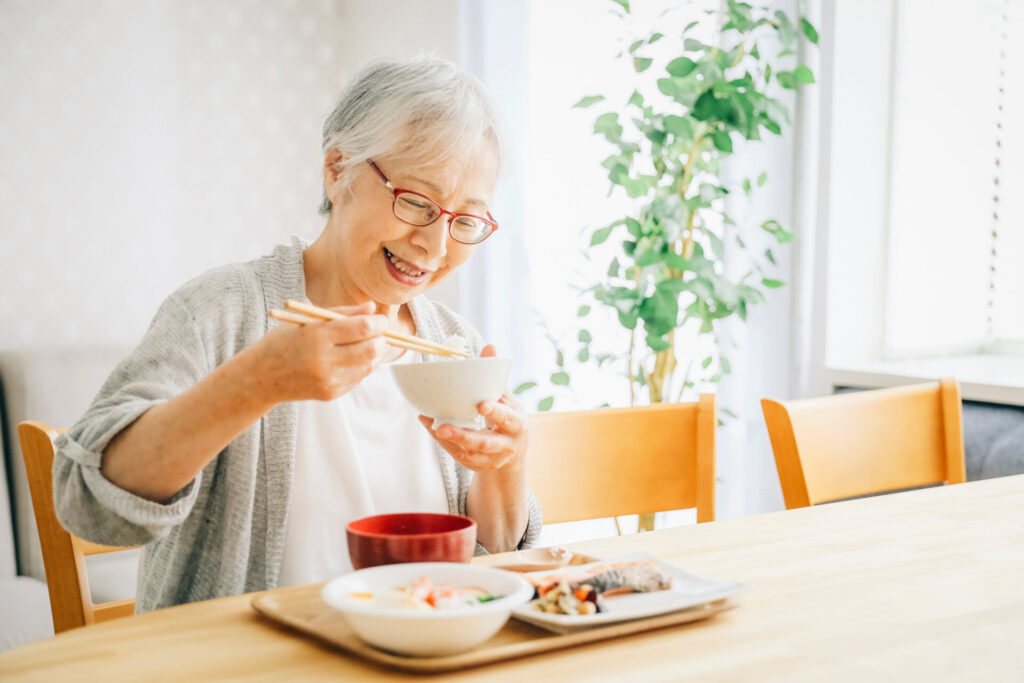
(636, 187)
(659, 312)
(641, 64)
(636, 99)
(709, 192)
(771, 125)
(722, 140)
(655, 37)
(692, 44)
(786, 79)
(809, 30)
(803, 74)
(634, 227)
(584, 336)
(678, 261)
(623, 3)
(678, 126)
(635, 46)
(726, 365)
(618, 174)
(762, 179)
(589, 100)
(657, 342)
(709, 107)
(772, 284)
(560, 378)
(779, 232)
(584, 355)
(525, 386)
(689, 26)
(608, 125)
(582, 310)
(752, 294)
(545, 404)
(746, 186)
(628, 320)
(706, 363)
(600, 235)
(613, 268)
(717, 246)
(770, 256)
(681, 66)
(560, 359)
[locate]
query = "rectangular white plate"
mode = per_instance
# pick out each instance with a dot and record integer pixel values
(688, 590)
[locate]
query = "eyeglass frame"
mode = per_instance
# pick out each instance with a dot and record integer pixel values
(398, 191)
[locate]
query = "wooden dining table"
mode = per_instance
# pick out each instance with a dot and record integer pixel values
(919, 585)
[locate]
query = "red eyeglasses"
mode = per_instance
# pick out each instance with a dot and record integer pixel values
(419, 210)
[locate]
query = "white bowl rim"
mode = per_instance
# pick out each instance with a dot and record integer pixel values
(331, 593)
(448, 361)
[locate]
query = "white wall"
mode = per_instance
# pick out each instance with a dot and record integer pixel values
(859, 158)
(144, 142)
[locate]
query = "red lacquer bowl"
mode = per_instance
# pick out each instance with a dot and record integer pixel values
(410, 537)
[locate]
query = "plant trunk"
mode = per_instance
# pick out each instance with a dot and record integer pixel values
(658, 388)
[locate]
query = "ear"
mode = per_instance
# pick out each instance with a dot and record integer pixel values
(332, 169)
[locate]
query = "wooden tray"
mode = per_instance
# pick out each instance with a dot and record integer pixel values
(302, 609)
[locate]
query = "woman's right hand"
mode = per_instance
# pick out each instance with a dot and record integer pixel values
(322, 360)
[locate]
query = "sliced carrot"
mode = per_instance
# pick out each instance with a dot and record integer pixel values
(582, 593)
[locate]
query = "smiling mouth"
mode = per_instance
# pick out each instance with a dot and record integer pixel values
(403, 266)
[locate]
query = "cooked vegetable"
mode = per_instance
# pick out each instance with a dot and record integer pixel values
(575, 592)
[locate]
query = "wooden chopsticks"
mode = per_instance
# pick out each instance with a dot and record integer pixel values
(301, 313)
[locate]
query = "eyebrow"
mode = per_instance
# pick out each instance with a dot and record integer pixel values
(439, 191)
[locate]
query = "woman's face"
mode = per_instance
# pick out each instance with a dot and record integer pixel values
(388, 261)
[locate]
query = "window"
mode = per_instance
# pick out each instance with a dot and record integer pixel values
(956, 210)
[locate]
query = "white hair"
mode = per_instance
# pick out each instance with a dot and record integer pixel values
(421, 110)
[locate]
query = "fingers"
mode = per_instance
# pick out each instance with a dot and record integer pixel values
(506, 418)
(367, 352)
(477, 440)
(477, 450)
(351, 330)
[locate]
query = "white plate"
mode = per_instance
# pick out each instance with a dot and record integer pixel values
(687, 591)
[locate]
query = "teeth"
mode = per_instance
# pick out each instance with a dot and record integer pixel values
(400, 265)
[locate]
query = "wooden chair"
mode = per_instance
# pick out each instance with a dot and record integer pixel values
(63, 553)
(623, 461)
(864, 442)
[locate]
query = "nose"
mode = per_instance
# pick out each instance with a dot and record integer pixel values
(432, 239)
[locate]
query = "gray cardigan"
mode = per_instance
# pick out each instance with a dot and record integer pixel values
(223, 534)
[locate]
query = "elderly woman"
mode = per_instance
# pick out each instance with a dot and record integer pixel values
(236, 450)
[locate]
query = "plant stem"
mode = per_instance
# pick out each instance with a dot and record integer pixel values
(687, 239)
(664, 366)
(629, 368)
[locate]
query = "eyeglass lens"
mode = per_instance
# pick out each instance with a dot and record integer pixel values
(418, 211)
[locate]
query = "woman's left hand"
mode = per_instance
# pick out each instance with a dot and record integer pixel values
(501, 445)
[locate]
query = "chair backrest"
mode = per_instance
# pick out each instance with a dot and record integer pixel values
(63, 553)
(864, 442)
(621, 461)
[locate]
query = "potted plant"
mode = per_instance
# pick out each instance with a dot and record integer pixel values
(668, 150)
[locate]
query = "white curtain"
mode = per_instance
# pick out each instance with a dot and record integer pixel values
(494, 46)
